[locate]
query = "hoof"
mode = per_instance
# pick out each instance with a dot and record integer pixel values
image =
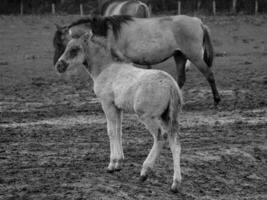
(143, 178)
(217, 101)
(176, 188)
(110, 170)
(117, 169)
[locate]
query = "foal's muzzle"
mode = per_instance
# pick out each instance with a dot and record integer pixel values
(61, 66)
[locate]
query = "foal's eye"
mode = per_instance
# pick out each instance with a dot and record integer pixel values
(74, 52)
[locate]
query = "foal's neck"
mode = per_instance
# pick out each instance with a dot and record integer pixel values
(99, 60)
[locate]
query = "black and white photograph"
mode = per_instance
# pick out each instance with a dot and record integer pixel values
(133, 99)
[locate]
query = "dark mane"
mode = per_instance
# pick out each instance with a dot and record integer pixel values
(58, 44)
(57, 38)
(100, 25)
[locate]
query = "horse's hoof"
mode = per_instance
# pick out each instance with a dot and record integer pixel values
(217, 101)
(175, 188)
(118, 169)
(110, 170)
(143, 178)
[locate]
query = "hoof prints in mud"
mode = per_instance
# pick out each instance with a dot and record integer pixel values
(46, 158)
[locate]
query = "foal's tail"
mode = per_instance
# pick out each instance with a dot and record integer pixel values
(170, 116)
(143, 10)
(207, 44)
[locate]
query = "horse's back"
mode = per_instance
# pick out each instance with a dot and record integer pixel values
(187, 24)
(151, 40)
(153, 94)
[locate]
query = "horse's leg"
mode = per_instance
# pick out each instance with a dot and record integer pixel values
(154, 128)
(205, 70)
(114, 116)
(118, 144)
(175, 146)
(180, 61)
(187, 65)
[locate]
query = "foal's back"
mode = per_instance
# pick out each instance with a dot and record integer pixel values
(135, 90)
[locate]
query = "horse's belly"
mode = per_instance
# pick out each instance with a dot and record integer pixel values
(150, 53)
(147, 46)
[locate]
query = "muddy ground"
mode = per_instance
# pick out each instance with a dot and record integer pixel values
(53, 140)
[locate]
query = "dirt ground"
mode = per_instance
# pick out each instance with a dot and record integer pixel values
(53, 140)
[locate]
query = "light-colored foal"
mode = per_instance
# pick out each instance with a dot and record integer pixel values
(152, 95)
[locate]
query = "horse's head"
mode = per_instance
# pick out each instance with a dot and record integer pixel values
(75, 53)
(60, 41)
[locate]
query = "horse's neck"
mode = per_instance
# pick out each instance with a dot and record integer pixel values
(98, 62)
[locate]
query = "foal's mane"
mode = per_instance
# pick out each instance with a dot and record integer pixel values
(100, 25)
(102, 43)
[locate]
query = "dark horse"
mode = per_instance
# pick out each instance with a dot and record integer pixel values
(150, 41)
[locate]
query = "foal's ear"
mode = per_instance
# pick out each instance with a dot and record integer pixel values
(87, 36)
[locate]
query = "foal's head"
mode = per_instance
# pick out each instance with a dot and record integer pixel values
(75, 53)
(84, 50)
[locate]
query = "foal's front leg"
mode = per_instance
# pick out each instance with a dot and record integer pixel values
(114, 117)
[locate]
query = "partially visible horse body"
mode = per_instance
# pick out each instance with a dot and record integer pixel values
(152, 40)
(152, 95)
(133, 8)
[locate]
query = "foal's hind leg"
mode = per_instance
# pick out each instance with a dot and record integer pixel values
(175, 146)
(180, 61)
(114, 117)
(205, 70)
(153, 125)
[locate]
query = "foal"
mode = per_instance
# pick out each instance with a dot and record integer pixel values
(152, 95)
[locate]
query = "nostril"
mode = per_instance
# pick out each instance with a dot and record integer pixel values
(61, 66)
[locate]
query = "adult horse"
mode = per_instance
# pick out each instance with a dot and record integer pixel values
(152, 40)
(153, 95)
(134, 8)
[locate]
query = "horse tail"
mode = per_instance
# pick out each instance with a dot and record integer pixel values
(208, 47)
(142, 10)
(170, 115)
